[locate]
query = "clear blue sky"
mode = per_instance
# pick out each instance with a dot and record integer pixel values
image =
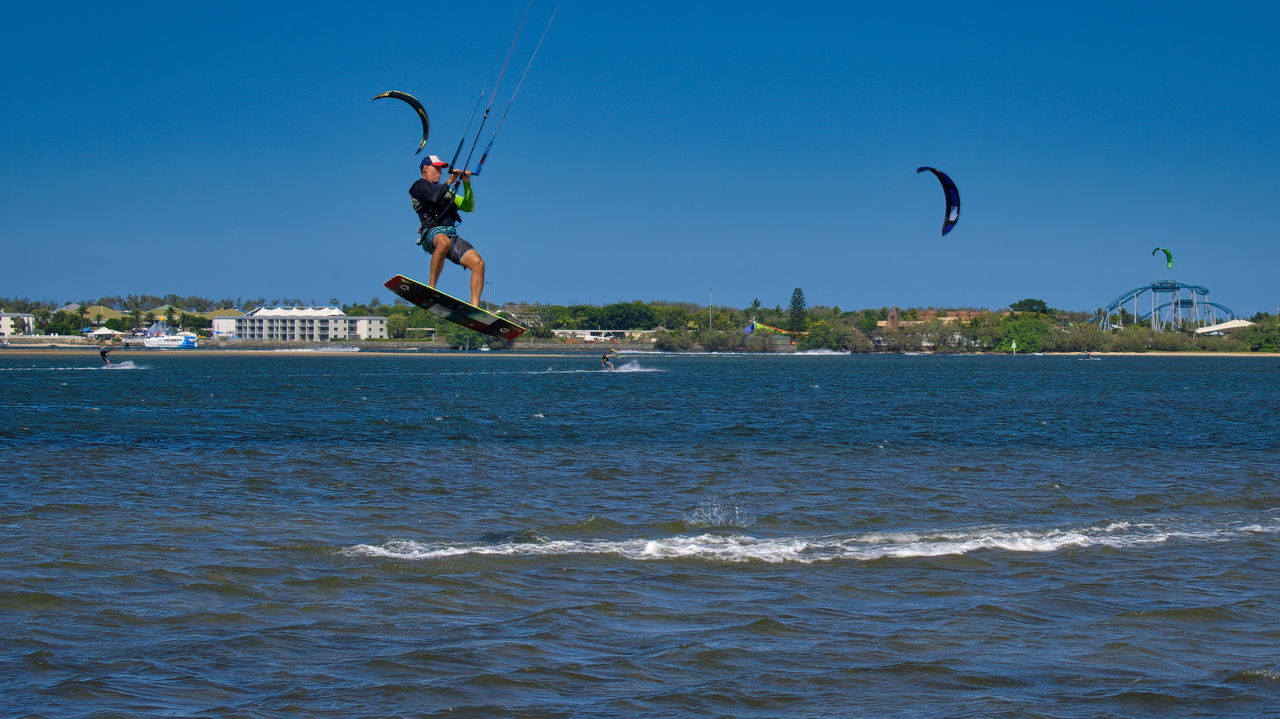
(657, 150)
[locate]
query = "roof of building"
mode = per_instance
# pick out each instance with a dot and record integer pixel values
(106, 312)
(1229, 325)
(296, 312)
(944, 320)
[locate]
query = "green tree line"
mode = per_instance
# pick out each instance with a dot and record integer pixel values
(1030, 324)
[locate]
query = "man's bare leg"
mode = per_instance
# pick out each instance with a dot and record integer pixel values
(440, 246)
(472, 261)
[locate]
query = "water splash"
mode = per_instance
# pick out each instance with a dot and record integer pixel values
(634, 366)
(716, 512)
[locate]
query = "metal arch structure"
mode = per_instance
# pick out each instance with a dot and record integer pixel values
(1169, 306)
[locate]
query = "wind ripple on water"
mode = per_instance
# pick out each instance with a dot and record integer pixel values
(728, 536)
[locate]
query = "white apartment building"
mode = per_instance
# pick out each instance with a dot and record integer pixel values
(16, 323)
(317, 324)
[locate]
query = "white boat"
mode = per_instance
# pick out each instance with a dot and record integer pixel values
(179, 341)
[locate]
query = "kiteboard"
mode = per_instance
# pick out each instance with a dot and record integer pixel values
(453, 309)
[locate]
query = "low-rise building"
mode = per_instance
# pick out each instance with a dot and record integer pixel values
(295, 324)
(602, 335)
(222, 323)
(17, 323)
(934, 315)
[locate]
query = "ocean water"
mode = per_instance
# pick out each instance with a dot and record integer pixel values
(486, 535)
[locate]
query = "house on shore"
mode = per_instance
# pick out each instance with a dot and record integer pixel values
(13, 324)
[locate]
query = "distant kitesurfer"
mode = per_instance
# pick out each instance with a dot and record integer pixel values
(103, 354)
(437, 207)
(604, 360)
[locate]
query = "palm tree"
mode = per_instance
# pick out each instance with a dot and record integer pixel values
(42, 315)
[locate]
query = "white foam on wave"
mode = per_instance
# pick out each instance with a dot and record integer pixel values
(632, 366)
(807, 550)
(1260, 529)
(46, 369)
(549, 371)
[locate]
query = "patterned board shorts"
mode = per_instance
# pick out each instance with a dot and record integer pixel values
(459, 248)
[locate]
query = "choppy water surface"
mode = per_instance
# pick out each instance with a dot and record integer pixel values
(729, 536)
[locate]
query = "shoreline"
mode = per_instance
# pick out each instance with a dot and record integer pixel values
(121, 354)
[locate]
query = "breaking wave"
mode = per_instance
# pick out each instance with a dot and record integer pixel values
(807, 550)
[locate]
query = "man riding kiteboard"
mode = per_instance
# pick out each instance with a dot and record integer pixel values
(437, 206)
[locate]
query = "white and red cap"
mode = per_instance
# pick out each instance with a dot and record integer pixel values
(434, 161)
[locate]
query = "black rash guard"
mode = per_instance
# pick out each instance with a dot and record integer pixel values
(434, 204)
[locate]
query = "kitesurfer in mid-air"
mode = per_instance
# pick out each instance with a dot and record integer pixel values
(103, 354)
(437, 206)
